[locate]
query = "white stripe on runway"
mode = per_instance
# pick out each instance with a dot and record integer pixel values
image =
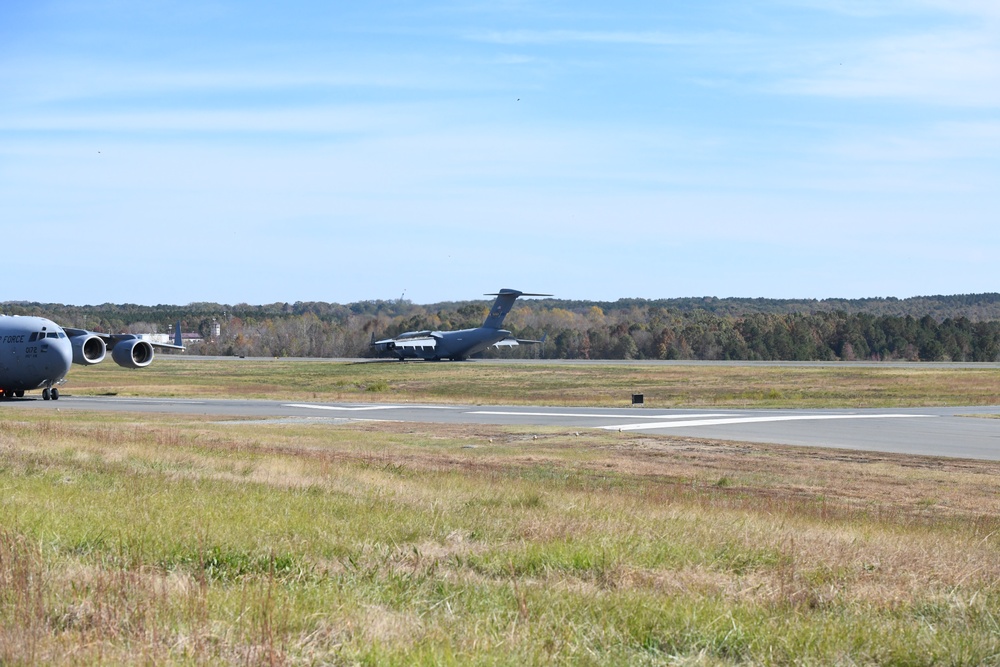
(577, 414)
(367, 407)
(749, 420)
(137, 399)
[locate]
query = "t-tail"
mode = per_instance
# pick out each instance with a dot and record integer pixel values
(502, 305)
(178, 338)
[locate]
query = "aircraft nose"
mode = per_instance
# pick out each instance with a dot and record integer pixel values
(60, 357)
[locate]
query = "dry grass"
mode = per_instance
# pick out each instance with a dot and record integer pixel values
(166, 540)
(553, 384)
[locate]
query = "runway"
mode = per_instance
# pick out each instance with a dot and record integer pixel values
(925, 431)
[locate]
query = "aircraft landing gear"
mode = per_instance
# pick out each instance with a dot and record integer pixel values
(46, 394)
(55, 394)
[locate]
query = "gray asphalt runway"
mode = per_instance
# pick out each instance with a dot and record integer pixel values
(925, 431)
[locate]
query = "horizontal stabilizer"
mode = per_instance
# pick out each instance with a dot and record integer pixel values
(504, 300)
(514, 291)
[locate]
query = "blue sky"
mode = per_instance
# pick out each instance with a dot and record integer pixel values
(172, 152)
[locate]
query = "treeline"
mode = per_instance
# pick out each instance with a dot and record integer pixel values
(975, 307)
(950, 328)
(835, 336)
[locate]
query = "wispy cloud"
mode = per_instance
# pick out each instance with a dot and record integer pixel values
(955, 68)
(348, 118)
(55, 81)
(980, 9)
(932, 145)
(622, 37)
(933, 52)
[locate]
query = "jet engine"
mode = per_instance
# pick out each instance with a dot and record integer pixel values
(132, 353)
(88, 350)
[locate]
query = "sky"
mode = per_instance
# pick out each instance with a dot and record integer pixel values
(259, 152)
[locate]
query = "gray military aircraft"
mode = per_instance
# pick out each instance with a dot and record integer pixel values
(458, 345)
(36, 353)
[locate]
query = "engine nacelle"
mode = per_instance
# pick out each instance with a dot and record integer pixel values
(133, 353)
(88, 350)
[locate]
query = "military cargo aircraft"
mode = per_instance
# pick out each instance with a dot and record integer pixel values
(36, 353)
(458, 345)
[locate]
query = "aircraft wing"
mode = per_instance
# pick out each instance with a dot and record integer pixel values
(425, 344)
(128, 350)
(514, 342)
(110, 340)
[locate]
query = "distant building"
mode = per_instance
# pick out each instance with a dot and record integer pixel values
(157, 338)
(186, 338)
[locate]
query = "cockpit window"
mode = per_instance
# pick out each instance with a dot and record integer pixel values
(33, 337)
(53, 334)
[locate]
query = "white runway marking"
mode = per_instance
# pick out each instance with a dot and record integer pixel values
(750, 420)
(366, 407)
(594, 416)
(115, 399)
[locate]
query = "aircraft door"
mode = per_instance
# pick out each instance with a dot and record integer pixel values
(9, 358)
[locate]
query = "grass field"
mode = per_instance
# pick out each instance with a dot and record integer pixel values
(550, 384)
(154, 539)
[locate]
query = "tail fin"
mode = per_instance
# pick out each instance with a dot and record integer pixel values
(178, 339)
(504, 300)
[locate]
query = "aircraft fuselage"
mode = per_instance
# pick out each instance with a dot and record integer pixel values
(34, 353)
(457, 345)
(433, 345)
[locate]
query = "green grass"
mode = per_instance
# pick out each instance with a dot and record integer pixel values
(663, 386)
(173, 541)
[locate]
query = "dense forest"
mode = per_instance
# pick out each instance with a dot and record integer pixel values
(934, 328)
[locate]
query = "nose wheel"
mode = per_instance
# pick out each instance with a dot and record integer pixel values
(50, 394)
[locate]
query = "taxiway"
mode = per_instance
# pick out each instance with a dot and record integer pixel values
(951, 432)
